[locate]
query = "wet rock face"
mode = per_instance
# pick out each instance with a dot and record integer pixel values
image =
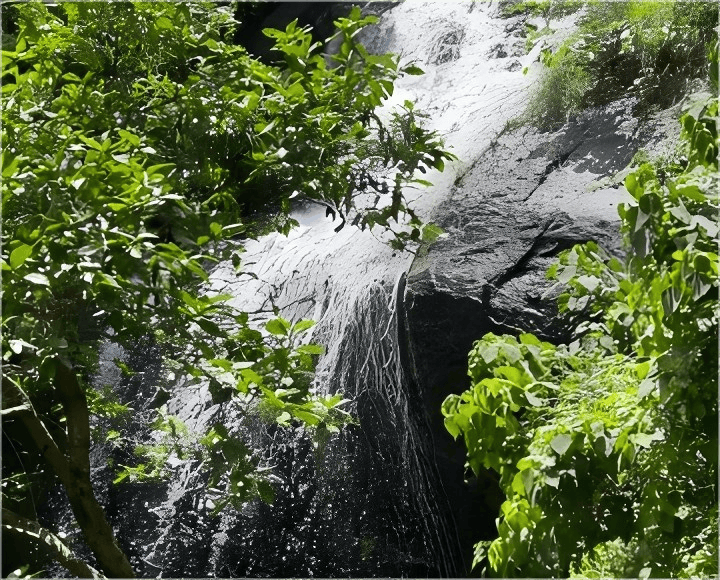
(527, 197)
(387, 497)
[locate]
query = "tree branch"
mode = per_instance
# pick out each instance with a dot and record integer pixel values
(72, 470)
(89, 514)
(31, 530)
(74, 403)
(13, 394)
(12, 410)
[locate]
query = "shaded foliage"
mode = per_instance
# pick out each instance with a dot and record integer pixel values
(607, 447)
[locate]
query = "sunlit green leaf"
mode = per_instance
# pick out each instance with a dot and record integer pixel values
(19, 255)
(277, 326)
(37, 278)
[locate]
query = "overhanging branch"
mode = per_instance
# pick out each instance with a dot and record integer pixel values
(31, 530)
(23, 408)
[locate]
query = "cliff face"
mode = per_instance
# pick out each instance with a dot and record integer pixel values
(371, 501)
(527, 197)
(387, 497)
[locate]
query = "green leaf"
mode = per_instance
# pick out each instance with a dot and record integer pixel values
(277, 326)
(209, 326)
(452, 427)
(681, 213)
(511, 352)
(190, 300)
(284, 418)
(534, 400)
(561, 443)
(567, 273)
(161, 169)
(422, 182)
(266, 491)
(645, 388)
(488, 352)
(645, 440)
(17, 346)
(589, 282)
(129, 137)
(251, 377)
(233, 229)
(265, 129)
(431, 232)
(413, 70)
(90, 141)
(303, 325)
(19, 255)
(221, 363)
(510, 373)
(313, 349)
(215, 229)
(307, 417)
(711, 227)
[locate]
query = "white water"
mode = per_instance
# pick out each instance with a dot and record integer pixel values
(350, 282)
(317, 273)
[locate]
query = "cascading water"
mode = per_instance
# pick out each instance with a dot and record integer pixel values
(374, 503)
(369, 501)
(385, 507)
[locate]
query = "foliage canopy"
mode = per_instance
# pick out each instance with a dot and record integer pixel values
(139, 141)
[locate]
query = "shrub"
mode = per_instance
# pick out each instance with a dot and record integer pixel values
(560, 92)
(609, 444)
(653, 51)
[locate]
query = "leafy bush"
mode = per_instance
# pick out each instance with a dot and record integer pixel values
(547, 9)
(652, 50)
(560, 91)
(609, 444)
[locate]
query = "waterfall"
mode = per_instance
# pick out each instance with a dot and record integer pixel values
(369, 501)
(390, 515)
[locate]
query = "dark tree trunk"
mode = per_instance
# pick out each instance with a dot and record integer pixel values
(73, 468)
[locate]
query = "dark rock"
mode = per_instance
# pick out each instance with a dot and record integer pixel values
(320, 16)
(447, 46)
(259, 15)
(524, 200)
(514, 65)
(515, 25)
(498, 51)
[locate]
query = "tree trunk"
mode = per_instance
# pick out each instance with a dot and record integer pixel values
(88, 512)
(72, 469)
(31, 530)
